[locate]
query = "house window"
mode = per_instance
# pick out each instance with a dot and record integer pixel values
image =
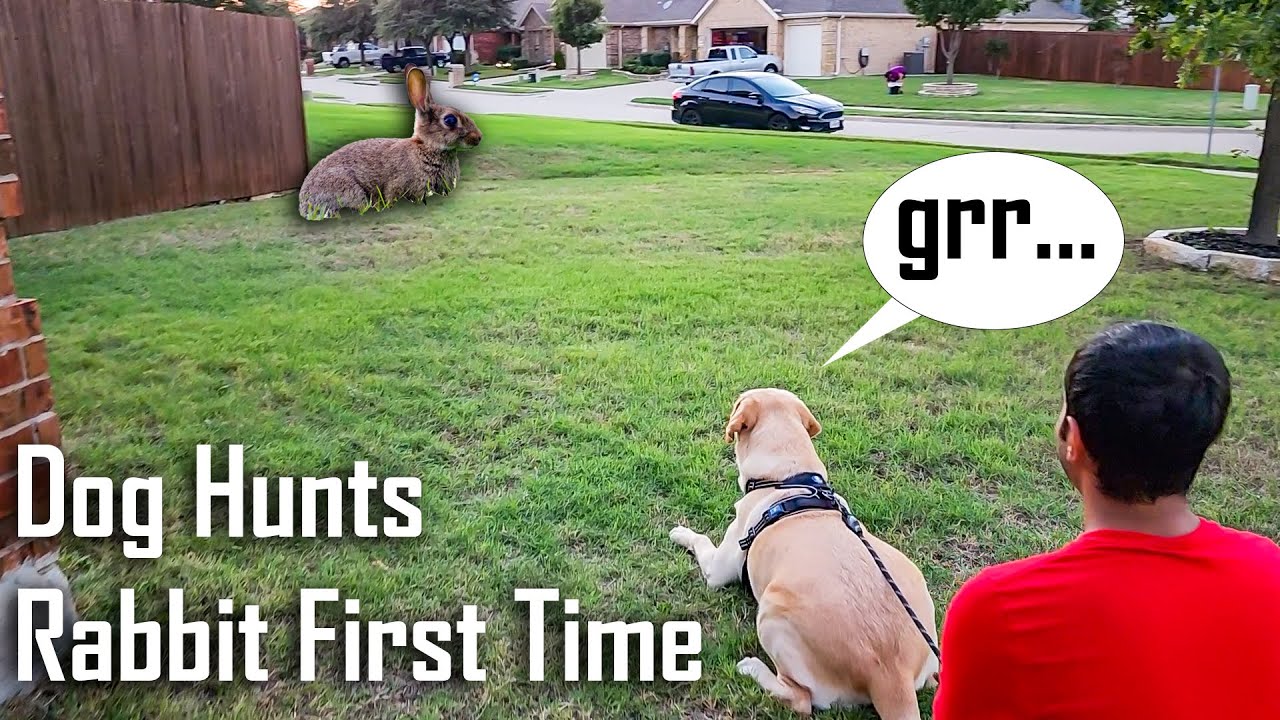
(756, 38)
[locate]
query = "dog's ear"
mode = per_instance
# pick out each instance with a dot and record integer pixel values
(745, 413)
(811, 424)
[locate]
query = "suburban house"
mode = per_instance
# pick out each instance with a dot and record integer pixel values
(537, 39)
(813, 37)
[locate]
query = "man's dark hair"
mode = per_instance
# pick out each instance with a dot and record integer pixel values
(1149, 400)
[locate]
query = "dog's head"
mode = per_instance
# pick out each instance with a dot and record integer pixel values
(768, 406)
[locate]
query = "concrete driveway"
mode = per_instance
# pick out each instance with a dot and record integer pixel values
(612, 103)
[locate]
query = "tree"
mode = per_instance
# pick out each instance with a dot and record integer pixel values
(339, 20)
(254, 7)
(409, 19)
(1210, 32)
(952, 17)
(577, 24)
(428, 18)
(997, 51)
(1101, 14)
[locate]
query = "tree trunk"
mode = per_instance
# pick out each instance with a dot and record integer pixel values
(1265, 216)
(579, 61)
(949, 51)
(952, 49)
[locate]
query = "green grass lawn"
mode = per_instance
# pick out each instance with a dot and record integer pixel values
(554, 349)
(509, 89)
(353, 69)
(1221, 162)
(601, 78)
(1022, 95)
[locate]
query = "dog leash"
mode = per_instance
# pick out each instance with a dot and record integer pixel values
(820, 496)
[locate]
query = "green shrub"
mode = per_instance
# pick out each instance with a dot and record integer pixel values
(559, 59)
(660, 59)
(645, 59)
(506, 53)
(520, 63)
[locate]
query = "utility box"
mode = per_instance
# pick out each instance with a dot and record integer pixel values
(913, 62)
(1251, 93)
(457, 75)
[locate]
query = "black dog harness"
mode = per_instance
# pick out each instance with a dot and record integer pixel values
(819, 495)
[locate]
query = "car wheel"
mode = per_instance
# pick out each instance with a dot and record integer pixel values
(343, 62)
(690, 117)
(771, 68)
(778, 121)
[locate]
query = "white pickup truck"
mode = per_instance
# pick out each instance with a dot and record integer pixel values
(349, 54)
(728, 58)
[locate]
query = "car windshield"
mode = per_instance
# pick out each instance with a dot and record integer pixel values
(780, 87)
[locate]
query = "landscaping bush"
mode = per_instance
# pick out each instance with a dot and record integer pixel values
(633, 66)
(647, 63)
(997, 51)
(520, 63)
(507, 53)
(559, 59)
(458, 57)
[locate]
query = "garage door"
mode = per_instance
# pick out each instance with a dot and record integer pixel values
(594, 57)
(802, 50)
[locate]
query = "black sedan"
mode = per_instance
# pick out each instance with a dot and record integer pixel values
(755, 99)
(413, 55)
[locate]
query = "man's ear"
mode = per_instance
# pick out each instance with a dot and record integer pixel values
(744, 416)
(811, 424)
(1072, 441)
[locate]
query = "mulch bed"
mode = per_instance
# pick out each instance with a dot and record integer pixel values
(1226, 241)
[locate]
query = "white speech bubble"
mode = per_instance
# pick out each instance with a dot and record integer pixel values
(927, 248)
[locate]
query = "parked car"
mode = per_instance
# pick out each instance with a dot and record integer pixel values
(755, 99)
(728, 58)
(344, 55)
(413, 55)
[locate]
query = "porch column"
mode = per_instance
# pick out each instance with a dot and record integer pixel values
(26, 418)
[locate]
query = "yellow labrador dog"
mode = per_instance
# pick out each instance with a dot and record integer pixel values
(827, 618)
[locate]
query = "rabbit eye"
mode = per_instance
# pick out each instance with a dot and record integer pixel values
(451, 121)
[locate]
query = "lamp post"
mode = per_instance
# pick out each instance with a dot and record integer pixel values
(1213, 109)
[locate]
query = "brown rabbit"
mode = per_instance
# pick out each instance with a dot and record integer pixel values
(375, 173)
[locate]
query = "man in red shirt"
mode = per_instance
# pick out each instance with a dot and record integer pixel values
(1152, 612)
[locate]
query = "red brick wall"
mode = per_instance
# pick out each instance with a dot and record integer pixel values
(26, 398)
(630, 42)
(487, 44)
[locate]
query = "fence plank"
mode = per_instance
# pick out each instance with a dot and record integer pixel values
(1101, 57)
(180, 105)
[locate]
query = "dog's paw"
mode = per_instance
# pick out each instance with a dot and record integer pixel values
(751, 667)
(682, 536)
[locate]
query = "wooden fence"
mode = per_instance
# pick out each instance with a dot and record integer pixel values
(1101, 57)
(122, 108)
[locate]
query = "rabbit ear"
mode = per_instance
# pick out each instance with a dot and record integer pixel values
(419, 87)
